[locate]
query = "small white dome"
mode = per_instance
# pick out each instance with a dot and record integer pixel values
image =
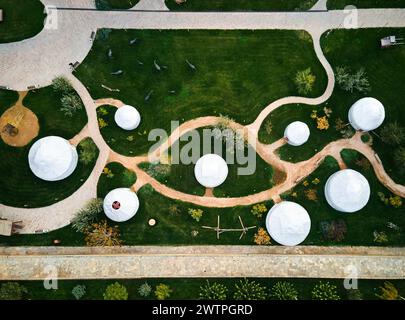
(288, 223)
(297, 133)
(211, 170)
(366, 114)
(347, 191)
(121, 204)
(52, 158)
(127, 117)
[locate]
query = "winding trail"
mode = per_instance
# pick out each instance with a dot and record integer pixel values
(75, 27)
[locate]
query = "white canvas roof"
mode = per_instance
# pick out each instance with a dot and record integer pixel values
(347, 191)
(288, 223)
(127, 117)
(297, 133)
(52, 158)
(366, 114)
(121, 204)
(211, 170)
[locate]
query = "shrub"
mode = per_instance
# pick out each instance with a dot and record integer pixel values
(262, 237)
(116, 291)
(334, 230)
(101, 234)
(250, 290)
(392, 133)
(174, 209)
(322, 123)
(196, 214)
(389, 292)
(258, 210)
(268, 127)
(380, 237)
(162, 291)
(12, 291)
(350, 82)
(88, 215)
(213, 291)
(79, 291)
(158, 171)
(144, 290)
(354, 294)
(284, 290)
(325, 291)
(399, 156)
(63, 85)
(70, 104)
(304, 81)
(395, 201)
(87, 151)
(311, 194)
(102, 123)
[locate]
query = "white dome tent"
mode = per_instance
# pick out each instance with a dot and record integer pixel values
(288, 223)
(211, 170)
(366, 114)
(347, 191)
(121, 204)
(297, 133)
(127, 117)
(52, 158)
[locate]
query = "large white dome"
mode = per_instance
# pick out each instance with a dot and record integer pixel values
(347, 191)
(52, 158)
(366, 114)
(121, 204)
(211, 170)
(288, 223)
(297, 133)
(127, 117)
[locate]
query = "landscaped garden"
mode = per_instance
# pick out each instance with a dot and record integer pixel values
(182, 75)
(207, 289)
(239, 5)
(21, 21)
(341, 4)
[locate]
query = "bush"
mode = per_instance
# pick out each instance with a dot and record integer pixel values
(196, 214)
(158, 171)
(116, 291)
(70, 104)
(214, 291)
(389, 292)
(262, 237)
(102, 235)
(334, 230)
(392, 133)
(87, 216)
(87, 151)
(350, 82)
(325, 291)
(144, 290)
(258, 210)
(250, 290)
(304, 81)
(79, 291)
(12, 291)
(354, 294)
(162, 291)
(284, 290)
(399, 156)
(63, 85)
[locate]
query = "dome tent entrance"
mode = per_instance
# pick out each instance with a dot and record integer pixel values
(52, 158)
(127, 117)
(347, 191)
(211, 170)
(366, 114)
(121, 204)
(297, 133)
(288, 223)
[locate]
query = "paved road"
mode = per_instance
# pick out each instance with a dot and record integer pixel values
(201, 261)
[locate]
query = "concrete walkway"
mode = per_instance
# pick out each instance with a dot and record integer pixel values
(201, 261)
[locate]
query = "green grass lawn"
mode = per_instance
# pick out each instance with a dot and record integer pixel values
(360, 225)
(19, 187)
(181, 176)
(21, 21)
(340, 4)
(115, 4)
(242, 5)
(189, 289)
(237, 74)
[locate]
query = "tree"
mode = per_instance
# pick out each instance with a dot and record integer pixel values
(262, 237)
(250, 290)
(284, 290)
(304, 81)
(162, 291)
(144, 290)
(88, 215)
(393, 134)
(87, 151)
(213, 291)
(115, 291)
(70, 104)
(103, 235)
(350, 82)
(399, 156)
(196, 214)
(79, 291)
(389, 292)
(12, 291)
(325, 291)
(63, 85)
